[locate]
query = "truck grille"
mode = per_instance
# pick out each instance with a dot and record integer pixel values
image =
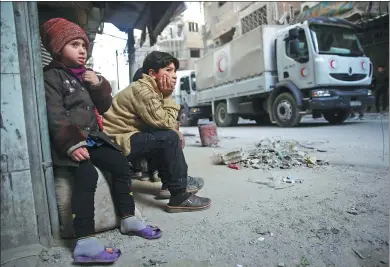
(348, 78)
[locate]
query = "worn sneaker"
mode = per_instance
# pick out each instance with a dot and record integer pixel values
(192, 203)
(154, 177)
(140, 176)
(194, 184)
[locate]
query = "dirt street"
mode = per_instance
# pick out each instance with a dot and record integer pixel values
(338, 215)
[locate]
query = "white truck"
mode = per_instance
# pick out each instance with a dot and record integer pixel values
(185, 95)
(280, 73)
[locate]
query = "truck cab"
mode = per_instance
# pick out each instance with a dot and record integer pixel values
(186, 96)
(321, 70)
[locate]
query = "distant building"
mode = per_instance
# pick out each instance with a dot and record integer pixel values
(225, 21)
(182, 38)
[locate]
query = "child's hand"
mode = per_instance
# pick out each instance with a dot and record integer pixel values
(181, 137)
(165, 86)
(91, 77)
(80, 154)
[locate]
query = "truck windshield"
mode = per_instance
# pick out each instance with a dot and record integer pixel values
(193, 81)
(336, 40)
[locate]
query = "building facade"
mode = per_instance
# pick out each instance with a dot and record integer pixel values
(225, 21)
(182, 38)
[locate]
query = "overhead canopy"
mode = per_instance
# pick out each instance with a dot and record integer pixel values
(126, 16)
(352, 11)
(150, 16)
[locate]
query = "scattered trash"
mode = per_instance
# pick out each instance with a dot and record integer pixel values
(261, 238)
(321, 150)
(281, 264)
(292, 180)
(353, 211)
(239, 265)
(357, 253)
(154, 263)
(208, 134)
(326, 231)
(186, 134)
(271, 154)
(233, 166)
(383, 261)
(304, 262)
(234, 156)
(260, 231)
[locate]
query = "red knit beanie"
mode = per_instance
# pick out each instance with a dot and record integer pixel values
(57, 32)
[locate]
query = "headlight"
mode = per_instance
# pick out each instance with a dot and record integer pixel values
(194, 110)
(320, 93)
(369, 92)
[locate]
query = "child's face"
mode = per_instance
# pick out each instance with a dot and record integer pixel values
(169, 71)
(74, 53)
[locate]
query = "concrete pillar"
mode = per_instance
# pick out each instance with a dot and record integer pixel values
(18, 221)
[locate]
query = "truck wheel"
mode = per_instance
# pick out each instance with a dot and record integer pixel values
(337, 116)
(263, 120)
(222, 118)
(185, 121)
(285, 110)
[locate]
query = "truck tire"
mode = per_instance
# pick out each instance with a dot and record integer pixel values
(286, 111)
(336, 116)
(185, 121)
(222, 118)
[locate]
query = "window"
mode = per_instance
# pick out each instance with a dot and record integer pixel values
(221, 3)
(336, 40)
(303, 55)
(179, 30)
(254, 19)
(193, 27)
(184, 84)
(195, 53)
(193, 81)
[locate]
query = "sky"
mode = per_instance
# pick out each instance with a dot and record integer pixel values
(106, 45)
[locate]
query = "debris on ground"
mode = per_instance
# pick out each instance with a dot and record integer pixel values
(281, 264)
(272, 154)
(233, 166)
(358, 253)
(292, 180)
(154, 263)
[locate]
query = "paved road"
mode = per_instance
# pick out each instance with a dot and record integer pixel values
(309, 221)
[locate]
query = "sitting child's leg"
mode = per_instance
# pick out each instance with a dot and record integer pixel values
(85, 180)
(113, 161)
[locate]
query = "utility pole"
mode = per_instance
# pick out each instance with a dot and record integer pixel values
(117, 69)
(130, 52)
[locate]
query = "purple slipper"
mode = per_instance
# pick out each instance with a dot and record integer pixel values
(149, 232)
(108, 255)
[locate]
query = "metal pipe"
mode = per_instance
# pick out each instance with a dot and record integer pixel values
(47, 164)
(117, 69)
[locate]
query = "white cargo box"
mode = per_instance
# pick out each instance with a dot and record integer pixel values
(250, 55)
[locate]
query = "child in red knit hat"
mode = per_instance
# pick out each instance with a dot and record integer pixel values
(75, 96)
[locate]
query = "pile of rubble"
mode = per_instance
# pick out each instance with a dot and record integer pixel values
(272, 154)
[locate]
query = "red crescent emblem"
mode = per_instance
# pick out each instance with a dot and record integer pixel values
(219, 65)
(331, 63)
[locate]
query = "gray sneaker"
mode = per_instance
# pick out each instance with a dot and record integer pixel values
(194, 184)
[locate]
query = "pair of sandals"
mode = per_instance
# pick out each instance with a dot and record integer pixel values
(112, 254)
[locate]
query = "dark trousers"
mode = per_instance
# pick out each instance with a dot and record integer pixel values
(85, 180)
(164, 148)
(381, 98)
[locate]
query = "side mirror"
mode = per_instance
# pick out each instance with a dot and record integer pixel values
(293, 47)
(293, 34)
